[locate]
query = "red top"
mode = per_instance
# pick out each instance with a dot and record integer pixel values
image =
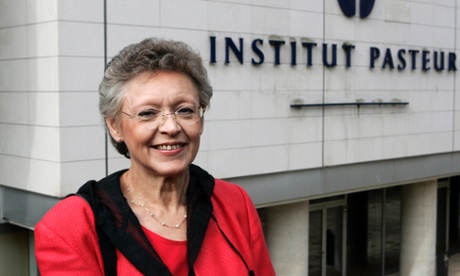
(66, 240)
(172, 253)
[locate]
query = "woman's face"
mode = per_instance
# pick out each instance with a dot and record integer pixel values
(164, 146)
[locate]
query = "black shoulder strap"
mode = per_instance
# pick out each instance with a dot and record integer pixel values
(199, 210)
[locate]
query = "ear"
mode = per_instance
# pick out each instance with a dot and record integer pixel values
(114, 129)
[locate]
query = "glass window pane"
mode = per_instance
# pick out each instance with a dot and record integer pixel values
(374, 232)
(454, 215)
(364, 233)
(315, 247)
(334, 241)
(441, 218)
(392, 229)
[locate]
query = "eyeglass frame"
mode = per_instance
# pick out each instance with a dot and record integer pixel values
(201, 110)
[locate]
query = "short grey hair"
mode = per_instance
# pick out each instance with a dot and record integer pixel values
(149, 55)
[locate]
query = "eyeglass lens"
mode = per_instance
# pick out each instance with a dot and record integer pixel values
(183, 119)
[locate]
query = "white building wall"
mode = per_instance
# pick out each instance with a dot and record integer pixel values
(27, 81)
(52, 59)
(51, 55)
(426, 125)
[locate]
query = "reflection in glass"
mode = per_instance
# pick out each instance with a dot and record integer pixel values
(376, 215)
(392, 229)
(315, 247)
(326, 244)
(334, 241)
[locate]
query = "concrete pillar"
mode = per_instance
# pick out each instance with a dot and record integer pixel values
(287, 238)
(418, 229)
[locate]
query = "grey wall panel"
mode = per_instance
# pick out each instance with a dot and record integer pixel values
(326, 181)
(24, 208)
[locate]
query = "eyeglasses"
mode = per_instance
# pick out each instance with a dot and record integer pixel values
(153, 118)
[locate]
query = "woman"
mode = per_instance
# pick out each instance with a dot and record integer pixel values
(163, 215)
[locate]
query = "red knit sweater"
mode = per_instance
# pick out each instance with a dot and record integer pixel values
(66, 240)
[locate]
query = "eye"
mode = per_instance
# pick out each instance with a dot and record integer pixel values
(186, 111)
(148, 114)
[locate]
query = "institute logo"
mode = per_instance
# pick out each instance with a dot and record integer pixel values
(349, 7)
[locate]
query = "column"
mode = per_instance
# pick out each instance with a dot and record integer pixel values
(287, 238)
(418, 229)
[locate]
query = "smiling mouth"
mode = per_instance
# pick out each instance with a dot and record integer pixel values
(169, 147)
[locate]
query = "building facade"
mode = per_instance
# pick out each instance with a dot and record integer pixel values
(340, 118)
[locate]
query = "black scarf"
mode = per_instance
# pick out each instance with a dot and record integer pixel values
(118, 227)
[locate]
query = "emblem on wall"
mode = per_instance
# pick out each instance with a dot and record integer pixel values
(349, 7)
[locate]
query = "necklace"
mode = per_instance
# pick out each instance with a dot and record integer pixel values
(151, 214)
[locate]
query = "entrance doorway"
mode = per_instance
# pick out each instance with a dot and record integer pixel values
(327, 224)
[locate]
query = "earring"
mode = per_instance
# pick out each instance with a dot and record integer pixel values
(118, 139)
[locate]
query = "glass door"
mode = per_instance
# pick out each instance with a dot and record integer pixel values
(326, 241)
(334, 241)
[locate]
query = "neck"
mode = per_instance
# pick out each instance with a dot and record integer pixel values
(169, 192)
